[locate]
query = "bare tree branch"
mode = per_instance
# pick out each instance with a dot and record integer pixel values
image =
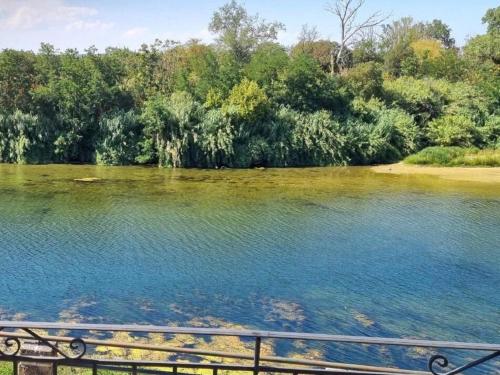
(347, 12)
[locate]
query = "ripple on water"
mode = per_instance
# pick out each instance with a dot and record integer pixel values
(325, 250)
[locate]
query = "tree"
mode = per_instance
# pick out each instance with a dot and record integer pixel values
(240, 32)
(154, 69)
(427, 49)
(250, 101)
(492, 19)
(366, 79)
(305, 87)
(17, 79)
(246, 100)
(395, 43)
(266, 63)
(309, 43)
(426, 56)
(482, 58)
(347, 12)
(319, 50)
(366, 49)
(308, 34)
(230, 72)
(438, 30)
(196, 69)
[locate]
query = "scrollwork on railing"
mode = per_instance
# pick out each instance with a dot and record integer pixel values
(77, 346)
(18, 339)
(442, 361)
(10, 346)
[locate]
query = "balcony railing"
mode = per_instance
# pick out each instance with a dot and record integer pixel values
(76, 348)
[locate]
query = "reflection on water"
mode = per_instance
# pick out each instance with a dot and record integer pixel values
(334, 250)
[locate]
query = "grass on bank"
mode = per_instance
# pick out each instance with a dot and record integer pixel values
(456, 156)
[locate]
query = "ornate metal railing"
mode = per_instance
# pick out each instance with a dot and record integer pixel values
(76, 348)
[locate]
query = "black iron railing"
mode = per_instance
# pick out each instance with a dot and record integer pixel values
(76, 348)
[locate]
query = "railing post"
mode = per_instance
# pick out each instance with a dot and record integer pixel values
(35, 348)
(256, 362)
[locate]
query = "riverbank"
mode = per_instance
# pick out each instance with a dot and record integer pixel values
(474, 174)
(455, 157)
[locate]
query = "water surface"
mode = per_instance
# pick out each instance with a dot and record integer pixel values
(332, 250)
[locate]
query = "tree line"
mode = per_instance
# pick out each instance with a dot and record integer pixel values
(248, 101)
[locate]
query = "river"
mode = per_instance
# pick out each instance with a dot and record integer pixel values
(330, 250)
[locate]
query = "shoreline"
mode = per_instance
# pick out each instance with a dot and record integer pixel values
(469, 174)
(490, 175)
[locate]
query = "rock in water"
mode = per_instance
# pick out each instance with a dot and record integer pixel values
(87, 179)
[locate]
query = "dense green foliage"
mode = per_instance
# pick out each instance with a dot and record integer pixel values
(248, 101)
(456, 156)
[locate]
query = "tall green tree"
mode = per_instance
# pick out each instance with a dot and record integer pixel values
(17, 79)
(240, 32)
(268, 61)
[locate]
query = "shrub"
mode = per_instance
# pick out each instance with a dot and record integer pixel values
(452, 130)
(246, 100)
(365, 79)
(462, 98)
(367, 109)
(169, 129)
(381, 124)
(417, 97)
(118, 141)
(215, 139)
(404, 133)
(317, 140)
(490, 132)
(24, 138)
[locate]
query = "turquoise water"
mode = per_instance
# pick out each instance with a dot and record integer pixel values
(334, 250)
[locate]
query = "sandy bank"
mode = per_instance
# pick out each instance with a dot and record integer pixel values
(475, 174)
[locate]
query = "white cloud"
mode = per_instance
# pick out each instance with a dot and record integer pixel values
(135, 32)
(89, 25)
(33, 14)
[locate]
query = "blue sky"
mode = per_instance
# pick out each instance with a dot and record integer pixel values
(24, 24)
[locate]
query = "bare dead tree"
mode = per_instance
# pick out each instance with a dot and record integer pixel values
(347, 12)
(308, 34)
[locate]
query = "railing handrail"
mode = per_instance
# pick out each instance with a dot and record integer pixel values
(250, 333)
